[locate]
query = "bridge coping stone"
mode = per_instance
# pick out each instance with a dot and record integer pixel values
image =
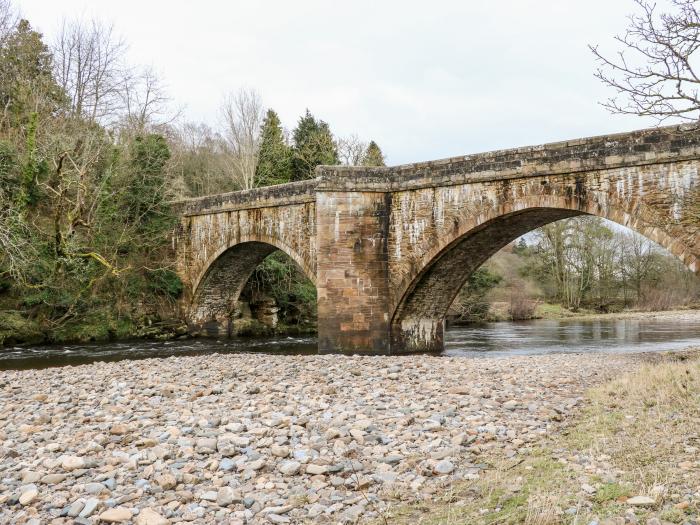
(648, 146)
(267, 196)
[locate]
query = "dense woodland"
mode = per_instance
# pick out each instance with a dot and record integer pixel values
(92, 152)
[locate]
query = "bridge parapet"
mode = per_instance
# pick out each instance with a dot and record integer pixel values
(637, 148)
(268, 196)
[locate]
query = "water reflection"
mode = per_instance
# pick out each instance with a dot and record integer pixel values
(544, 337)
(493, 339)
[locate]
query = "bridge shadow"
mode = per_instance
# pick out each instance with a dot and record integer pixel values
(252, 288)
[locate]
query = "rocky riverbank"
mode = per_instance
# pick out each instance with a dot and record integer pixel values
(269, 439)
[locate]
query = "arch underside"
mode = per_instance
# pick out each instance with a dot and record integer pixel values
(418, 320)
(220, 287)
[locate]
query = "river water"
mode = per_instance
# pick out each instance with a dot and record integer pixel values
(488, 340)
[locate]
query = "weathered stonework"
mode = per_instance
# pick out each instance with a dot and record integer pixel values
(389, 248)
(221, 239)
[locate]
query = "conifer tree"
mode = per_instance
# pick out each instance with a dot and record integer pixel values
(313, 146)
(373, 155)
(275, 157)
(26, 79)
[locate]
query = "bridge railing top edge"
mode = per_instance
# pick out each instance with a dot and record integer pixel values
(277, 195)
(646, 146)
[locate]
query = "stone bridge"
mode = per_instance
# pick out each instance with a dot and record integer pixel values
(389, 248)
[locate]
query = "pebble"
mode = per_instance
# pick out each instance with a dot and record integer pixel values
(279, 451)
(30, 477)
(276, 518)
(90, 506)
(149, 516)
(28, 496)
(444, 467)
(316, 469)
(71, 463)
(76, 507)
(209, 495)
(116, 515)
(52, 479)
(289, 468)
(166, 481)
(94, 488)
(641, 501)
(588, 489)
(254, 439)
(226, 496)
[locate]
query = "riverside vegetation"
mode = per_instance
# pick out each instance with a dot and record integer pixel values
(572, 267)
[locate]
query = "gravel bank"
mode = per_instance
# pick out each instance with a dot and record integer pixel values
(268, 439)
(692, 315)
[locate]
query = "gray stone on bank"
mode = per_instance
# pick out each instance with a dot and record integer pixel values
(289, 468)
(29, 494)
(53, 479)
(444, 467)
(227, 496)
(199, 455)
(90, 507)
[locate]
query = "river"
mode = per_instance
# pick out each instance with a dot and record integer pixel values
(488, 340)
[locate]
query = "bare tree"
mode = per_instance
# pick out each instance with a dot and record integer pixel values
(89, 66)
(654, 71)
(641, 259)
(243, 116)
(351, 150)
(145, 102)
(75, 149)
(198, 161)
(8, 19)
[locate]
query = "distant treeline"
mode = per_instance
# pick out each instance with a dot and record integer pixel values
(579, 264)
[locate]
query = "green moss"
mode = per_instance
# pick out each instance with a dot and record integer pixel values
(100, 325)
(15, 328)
(674, 515)
(611, 492)
(251, 328)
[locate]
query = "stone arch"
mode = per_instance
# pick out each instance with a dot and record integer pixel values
(425, 294)
(223, 278)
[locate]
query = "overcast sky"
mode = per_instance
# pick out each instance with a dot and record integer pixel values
(426, 80)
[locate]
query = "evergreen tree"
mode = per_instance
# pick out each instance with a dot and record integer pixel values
(27, 84)
(275, 157)
(313, 146)
(373, 155)
(145, 198)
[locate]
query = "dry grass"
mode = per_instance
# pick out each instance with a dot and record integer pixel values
(638, 428)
